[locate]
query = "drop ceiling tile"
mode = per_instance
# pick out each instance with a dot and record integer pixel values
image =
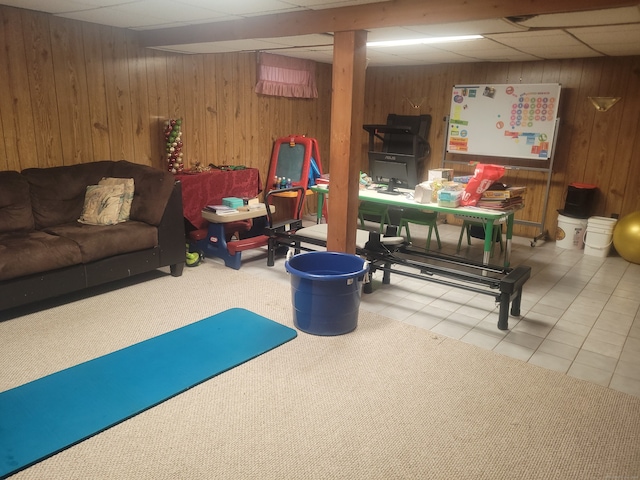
(436, 56)
(324, 4)
(601, 36)
(303, 40)
(392, 61)
(546, 44)
(308, 43)
(99, 3)
(616, 40)
(479, 45)
(485, 49)
(322, 55)
(479, 27)
(407, 50)
(47, 5)
(608, 16)
(140, 28)
(222, 47)
(620, 49)
(392, 33)
(571, 51)
(243, 8)
(511, 57)
(543, 38)
(144, 12)
(61, 6)
(113, 18)
(172, 24)
(171, 10)
(379, 58)
(435, 61)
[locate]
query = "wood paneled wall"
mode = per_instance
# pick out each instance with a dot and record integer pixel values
(75, 92)
(600, 148)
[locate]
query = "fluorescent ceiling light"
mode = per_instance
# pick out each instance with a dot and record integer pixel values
(423, 41)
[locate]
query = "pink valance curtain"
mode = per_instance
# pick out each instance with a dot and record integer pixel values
(286, 77)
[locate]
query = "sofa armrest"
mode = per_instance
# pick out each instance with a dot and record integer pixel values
(171, 234)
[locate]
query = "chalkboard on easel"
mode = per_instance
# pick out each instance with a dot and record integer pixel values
(510, 120)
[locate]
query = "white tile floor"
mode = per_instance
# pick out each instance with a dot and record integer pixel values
(580, 313)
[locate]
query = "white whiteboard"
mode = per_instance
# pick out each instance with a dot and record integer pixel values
(510, 120)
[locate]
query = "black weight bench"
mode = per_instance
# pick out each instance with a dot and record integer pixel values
(387, 253)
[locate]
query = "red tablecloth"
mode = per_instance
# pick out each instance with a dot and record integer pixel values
(209, 188)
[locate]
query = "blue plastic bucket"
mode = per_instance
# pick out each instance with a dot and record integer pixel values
(325, 291)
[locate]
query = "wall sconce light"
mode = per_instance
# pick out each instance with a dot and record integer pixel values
(415, 102)
(603, 104)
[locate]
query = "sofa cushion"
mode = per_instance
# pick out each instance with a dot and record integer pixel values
(57, 193)
(129, 189)
(152, 192)
(25, 253)
(102, 204)
(15, 203)
(100, 241)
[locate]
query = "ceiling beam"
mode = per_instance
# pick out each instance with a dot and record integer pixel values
(393, 13)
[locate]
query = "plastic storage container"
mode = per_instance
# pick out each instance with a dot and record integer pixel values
(579, 202)
(598, 236)
(449, 198)
(570, 232)
(325, 291)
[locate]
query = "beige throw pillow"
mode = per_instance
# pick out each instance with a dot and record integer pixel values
(102, 204)
(129, 188)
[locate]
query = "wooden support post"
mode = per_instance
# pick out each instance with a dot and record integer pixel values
(347, 114)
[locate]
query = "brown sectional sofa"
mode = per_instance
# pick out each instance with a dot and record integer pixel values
(45, 251)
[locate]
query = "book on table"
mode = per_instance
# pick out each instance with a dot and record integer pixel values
(221, 209)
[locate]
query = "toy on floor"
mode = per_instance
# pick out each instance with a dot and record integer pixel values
(193, 259)
(626, 237)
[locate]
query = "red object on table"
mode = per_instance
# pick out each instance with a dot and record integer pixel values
(209, 188)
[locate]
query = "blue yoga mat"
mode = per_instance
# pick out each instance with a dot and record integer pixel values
(45, 416)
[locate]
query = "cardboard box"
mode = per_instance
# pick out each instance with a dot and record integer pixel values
(444, 173)
(510, 192)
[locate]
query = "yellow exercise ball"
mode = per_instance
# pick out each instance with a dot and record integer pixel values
(626, 237)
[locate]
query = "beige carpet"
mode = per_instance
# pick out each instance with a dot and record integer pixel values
(387, 401)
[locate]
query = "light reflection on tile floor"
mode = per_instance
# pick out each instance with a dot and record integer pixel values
(580, 313)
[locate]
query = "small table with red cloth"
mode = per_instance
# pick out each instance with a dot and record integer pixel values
(209, 188)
